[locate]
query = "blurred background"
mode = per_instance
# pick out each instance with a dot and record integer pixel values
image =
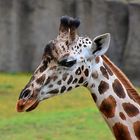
(26, 26)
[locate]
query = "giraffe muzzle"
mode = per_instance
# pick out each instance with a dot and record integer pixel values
(27, 104)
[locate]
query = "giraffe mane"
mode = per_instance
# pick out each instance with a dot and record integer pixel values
(122, 77)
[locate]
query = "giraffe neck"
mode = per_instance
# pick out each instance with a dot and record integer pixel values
(116, 99)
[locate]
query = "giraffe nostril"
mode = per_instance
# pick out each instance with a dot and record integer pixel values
(25, 93)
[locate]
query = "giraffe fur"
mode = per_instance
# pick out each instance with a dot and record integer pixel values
(70, 61)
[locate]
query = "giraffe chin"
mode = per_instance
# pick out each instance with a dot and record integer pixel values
(27, 106)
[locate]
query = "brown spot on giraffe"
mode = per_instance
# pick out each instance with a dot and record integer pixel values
(95, 75)
(108, 69)
(103, 87)
(81, 80)
(63, 88)
(121, 132)
(53, 67)
(94, 96)
(86, 72)
(108, 107)
(59, 82)
(76, 86)
(137, 129)
(85, 84)
(104, 72)
(130, 109)
(50, 86)
(121, 114)
(78, 71)
(82, 68)
(69, 88)
(54, 91)
(64, 77)
(42, 68)
(118, 89)
(75, 81)
(97, 59)
(67, 42)
(54, 77)
(48, 80)
(132, 92)
(70, 79)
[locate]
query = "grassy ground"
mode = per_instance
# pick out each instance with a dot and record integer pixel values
(71, 116)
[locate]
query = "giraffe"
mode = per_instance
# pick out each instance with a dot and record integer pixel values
(70, 61)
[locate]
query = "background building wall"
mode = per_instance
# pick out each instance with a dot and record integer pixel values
(26, 26)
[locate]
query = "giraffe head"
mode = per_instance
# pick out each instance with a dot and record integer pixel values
(66, 64)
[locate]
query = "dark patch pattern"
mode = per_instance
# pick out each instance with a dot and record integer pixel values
(69, 88)
(81, 80)
(86, 72)
(70, 80)
(52, 68)
(130, 109)
(75, 81)
(63, 88)
(48, 51)
(122, 116)
(78, 71)
(121, 132)
(97, 59)
(59, 82)
(54, 91)
(67, 42)
(64, 77)
(82, 67)
(137, 129)
(50, 86)
(118, 89)
(54, 77)
(48, 80)
(85, 84)
(103, 87)
(76, 86)
(108, 107)
(42, 68)
(95, 75)
(94, 97)
(104, 72)
(108, 69)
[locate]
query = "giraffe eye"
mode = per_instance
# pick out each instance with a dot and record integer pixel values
(67, 63)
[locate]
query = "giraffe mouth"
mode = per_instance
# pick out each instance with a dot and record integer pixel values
(23, 105)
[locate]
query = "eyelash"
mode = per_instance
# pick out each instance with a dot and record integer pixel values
(67, 63)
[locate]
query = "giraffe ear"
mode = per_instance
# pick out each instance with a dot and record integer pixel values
(101, 44)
